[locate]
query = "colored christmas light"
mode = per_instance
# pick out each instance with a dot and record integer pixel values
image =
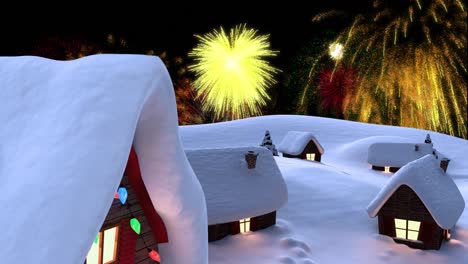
(135, 225)
(154, 255)
(123, 195)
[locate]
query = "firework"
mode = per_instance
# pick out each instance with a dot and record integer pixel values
(231, 73)
(412, 64)
(335, 85)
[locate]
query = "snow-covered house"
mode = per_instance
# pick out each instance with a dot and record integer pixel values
(390, 157)
(419, 205)
(301, 144)
(238, 198)
(132, 229)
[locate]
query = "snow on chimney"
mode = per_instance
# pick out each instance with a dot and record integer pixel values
(444, 164)
(251, 159)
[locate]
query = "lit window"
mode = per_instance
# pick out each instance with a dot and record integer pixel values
(407, 229)
(310, 156)
(387, 169)
(94, 253)
(104, 249)
(244, 225)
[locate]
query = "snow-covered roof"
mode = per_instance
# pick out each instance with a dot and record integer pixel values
(436, 190)
(294, 142)
(232, 191)
(67, 129)
(396, 154)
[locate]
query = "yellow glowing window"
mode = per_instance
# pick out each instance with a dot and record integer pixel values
(310, 156)
(244, 225)
(407, 229)
(104, 248)
(387, 169)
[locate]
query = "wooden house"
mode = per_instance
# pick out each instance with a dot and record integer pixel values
(391, 156)
(131, 230)
(243, 188)
(301, 144)
(419, 205)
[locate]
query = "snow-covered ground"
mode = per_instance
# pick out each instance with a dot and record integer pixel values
(325, 219)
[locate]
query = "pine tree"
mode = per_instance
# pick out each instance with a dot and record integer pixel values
(428, 139)
(268, 143)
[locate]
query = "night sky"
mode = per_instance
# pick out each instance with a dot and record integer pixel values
(170, 27)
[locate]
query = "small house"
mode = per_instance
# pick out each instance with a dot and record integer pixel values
(243, 188)
(419, 204)
(390, 156)
(301, 144)
(132, 229)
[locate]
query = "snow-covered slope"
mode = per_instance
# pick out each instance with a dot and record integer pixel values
(66, 132)
(325, 219)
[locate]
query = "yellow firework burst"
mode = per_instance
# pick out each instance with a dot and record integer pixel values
(232, 73)
(412, 61)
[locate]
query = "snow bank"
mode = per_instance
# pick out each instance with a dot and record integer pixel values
(67, 128)
(233, 191)
(436, 190)
(294, 142)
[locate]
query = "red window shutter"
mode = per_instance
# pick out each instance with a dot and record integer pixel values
(126, 249)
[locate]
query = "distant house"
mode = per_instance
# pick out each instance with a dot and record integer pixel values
(419, 205)
(132, 229)
(242, 189)
(390, 157)
(301, 144)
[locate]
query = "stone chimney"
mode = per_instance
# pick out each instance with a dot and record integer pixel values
(251, 159)
(444, 164)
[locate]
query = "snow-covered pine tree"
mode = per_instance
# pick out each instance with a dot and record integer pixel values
(428, 139)
(268, 143)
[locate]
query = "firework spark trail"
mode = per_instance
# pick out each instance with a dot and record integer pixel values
(232, 75)
(417, 58)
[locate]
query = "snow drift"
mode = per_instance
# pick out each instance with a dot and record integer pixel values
(67, 128)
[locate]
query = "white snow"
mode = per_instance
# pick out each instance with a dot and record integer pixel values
(436, 190)
(63, 151)
(396, 154)
(325, 219)
(67, 128)
(294, 142)
(234, 192)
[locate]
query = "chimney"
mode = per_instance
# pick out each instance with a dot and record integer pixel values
(444, 164)
(251, 159)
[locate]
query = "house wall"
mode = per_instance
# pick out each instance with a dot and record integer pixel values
(406, 204)
(379, 168)
(310, 148)
(219, 231)
(263, 221)
(119, 212)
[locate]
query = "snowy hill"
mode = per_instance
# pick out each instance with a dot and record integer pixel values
(325, 219)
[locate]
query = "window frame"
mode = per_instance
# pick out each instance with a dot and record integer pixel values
(243, 223)
(407, 229)
(101, 244)
(311, 155)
